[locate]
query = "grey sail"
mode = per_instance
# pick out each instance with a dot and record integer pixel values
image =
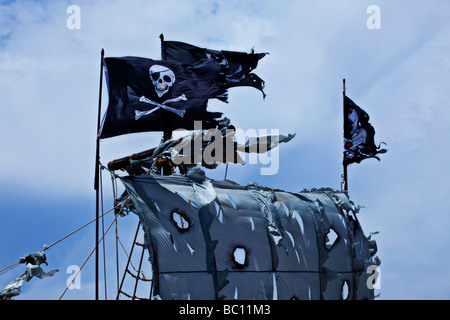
(214, 240)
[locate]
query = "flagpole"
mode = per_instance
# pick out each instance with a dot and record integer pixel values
(344, 175)
(97, 175)
(161, 36)
(167, 132)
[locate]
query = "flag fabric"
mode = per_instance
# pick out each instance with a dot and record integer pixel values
(238, 66)
(359, 143)
(151, 95)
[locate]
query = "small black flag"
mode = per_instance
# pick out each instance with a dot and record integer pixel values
(237, 65)
(358, 135)
(149, 95)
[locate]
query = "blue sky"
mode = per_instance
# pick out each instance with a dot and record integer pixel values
(399, 74)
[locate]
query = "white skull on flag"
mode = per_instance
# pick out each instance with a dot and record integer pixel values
(162, 78)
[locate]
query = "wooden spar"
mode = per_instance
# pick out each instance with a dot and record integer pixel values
(122, 163)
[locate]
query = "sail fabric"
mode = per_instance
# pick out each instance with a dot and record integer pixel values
(207, 147)
(238, 66)
(359, 135)
(153, 95)
(214, 240)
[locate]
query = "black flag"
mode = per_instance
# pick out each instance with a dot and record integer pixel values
(149, 95)
(359, 135)
(237, 65)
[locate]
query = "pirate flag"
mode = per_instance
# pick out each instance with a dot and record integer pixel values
(237, 65)
(358, 135)
(149, 95)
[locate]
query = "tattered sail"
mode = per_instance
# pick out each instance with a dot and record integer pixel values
(281, 245)
(33, 269)
(206, 147)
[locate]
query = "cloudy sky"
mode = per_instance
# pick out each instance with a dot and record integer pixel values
(399, 73)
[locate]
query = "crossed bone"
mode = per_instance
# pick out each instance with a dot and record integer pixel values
(163, 105)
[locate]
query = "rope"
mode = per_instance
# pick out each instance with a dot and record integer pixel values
(103, 231)
(137, 278)
(4, 270)
(131, 263)
(12, 266)
(93, 250)
(226, 171)
(114, 189)
(128, 262)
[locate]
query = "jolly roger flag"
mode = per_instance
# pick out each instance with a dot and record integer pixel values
(237, 65)
(150, 95)
(358, 135)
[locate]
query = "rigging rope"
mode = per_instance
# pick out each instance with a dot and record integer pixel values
(114, 189)
(4, 270)
(118, 205)
(103, 231)
(226, 171)
(131, 263)
(12, 266)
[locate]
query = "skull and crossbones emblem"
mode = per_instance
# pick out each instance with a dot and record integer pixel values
(162, 79)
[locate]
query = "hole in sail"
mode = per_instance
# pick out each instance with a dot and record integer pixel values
(345, 290)
(331, 238)
(240, 257)
(181, 221)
